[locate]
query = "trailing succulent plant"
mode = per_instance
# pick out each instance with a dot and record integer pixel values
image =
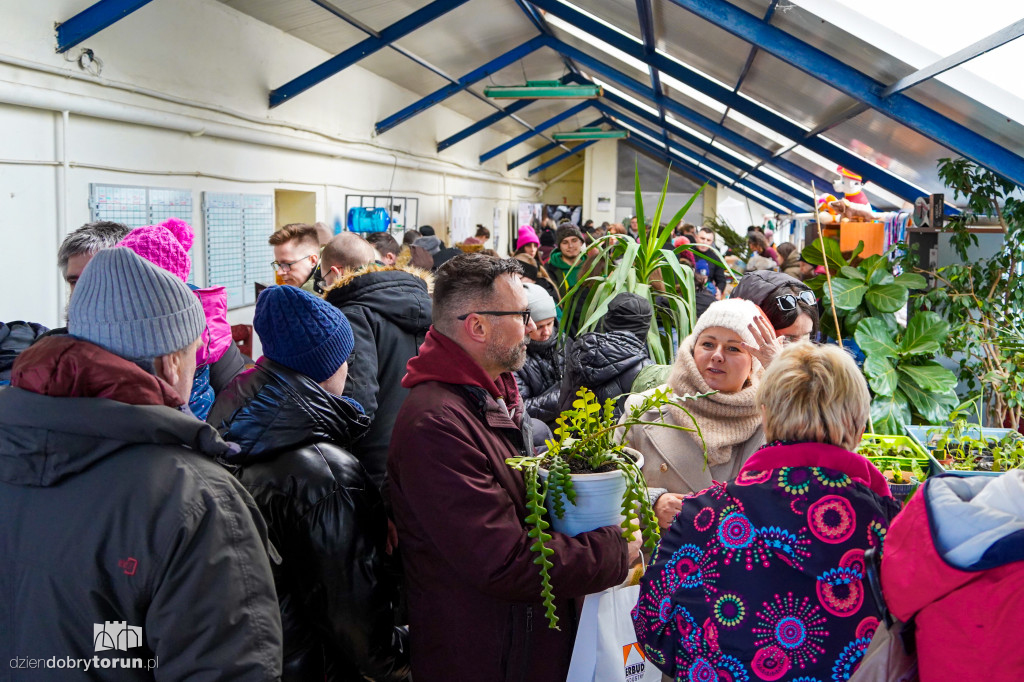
(588, 439)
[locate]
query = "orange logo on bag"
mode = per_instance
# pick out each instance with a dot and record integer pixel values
(634, 670)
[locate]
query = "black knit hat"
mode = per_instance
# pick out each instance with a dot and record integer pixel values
(566, 230)
(629, 313)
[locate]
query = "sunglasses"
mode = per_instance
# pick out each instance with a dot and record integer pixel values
(788, 301)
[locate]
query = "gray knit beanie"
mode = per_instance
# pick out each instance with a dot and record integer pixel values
(132, 308)
(566, 230)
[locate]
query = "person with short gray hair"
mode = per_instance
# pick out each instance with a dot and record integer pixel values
(80, 246)
(121, 519)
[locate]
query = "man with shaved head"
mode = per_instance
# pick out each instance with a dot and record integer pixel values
(388, 307)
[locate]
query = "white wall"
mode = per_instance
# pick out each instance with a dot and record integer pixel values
(739, 211)
(220, 65)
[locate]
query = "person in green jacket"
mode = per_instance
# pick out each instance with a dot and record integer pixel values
(567, 268)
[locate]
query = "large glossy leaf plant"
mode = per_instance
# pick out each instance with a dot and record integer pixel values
(907, 384)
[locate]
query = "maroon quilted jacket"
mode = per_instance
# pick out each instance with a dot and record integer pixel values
(475, 610)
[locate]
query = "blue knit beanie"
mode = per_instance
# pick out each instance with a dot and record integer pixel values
(302, 332)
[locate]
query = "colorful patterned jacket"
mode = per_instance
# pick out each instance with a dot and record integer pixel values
(763, 578)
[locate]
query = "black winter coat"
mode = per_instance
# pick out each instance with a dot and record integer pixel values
(118, 513)
(325, 517)
(606, 363)
(540, 378)
(389, 311)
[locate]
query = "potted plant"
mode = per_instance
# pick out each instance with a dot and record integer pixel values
(588, 453)
(983, 299)
(907, 384)
(900, 459)
(648, 267)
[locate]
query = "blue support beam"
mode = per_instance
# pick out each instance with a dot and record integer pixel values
(683, 112)
(669, 158)
(753, 110)
(564, 155)
(483, 123)
(554, 120)
(94, 19)
(473, 76)
(366, 47)
(548, 147)
(646, 18)
(653, 120)
(680, 149)
(487, 122)
(857, 85)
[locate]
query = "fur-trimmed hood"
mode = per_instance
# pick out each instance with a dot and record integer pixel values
(402, 264)
(399, 294)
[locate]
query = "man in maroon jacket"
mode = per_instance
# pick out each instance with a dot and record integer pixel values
(474, 592)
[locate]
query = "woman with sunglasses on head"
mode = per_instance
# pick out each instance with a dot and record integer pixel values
(717, 359)
(789, 305)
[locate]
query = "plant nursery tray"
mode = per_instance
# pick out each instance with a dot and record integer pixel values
(919, 434)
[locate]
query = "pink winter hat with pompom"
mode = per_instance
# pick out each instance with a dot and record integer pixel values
(165, 245)
(526, 236)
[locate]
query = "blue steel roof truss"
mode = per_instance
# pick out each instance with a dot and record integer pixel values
(758, 31)
(724, 95)
(859, 86)
(493, 66)
(548, 147)
(92, 20)
(364, 48)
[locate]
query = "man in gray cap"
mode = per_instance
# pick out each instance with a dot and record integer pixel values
(125, 545)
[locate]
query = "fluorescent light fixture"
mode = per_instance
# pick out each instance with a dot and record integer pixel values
(543, 90)
(591, 134)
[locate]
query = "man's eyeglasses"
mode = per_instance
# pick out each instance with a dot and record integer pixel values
(525, 314)
(788, 301)
(285, 266)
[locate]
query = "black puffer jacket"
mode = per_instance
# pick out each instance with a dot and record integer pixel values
(389, 311)
(605, 363)
(540, 378)
(14, 338)
(325, 517)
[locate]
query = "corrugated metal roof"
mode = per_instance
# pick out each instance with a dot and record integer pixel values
(477, 31)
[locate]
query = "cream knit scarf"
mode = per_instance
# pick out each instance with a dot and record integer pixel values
(726, 419)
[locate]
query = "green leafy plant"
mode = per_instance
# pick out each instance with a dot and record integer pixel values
(905, 379)
(588, 439)
(865, 290)
(983, 300)
(906, 382)
(646, 267)
(962, 446)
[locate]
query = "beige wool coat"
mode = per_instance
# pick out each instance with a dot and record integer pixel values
(731, 424)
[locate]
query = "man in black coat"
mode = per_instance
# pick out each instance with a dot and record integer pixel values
(326, 517)
(388, 308)
(124, 543)
(608, 362)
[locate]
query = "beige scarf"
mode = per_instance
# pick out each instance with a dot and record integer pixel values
(726, 420)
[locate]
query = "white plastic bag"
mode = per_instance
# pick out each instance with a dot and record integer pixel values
(606, 649)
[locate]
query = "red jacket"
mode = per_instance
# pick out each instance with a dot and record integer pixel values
(475, 613)
(955, 563)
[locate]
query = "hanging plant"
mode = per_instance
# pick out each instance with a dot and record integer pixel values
(588, 439)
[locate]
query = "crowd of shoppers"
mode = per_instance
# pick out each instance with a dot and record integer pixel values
(341, 508)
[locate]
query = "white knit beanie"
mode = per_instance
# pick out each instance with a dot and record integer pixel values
(540, 303)
(733, 314)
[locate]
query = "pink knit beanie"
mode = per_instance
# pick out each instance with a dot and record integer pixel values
(165, 245)
(526, 236)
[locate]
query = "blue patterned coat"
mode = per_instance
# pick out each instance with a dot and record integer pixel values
(763, 578)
